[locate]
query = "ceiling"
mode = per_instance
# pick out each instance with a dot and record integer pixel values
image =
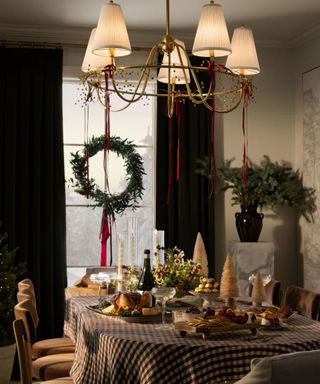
(273, 21)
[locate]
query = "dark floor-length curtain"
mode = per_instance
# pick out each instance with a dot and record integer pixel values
(32, 194)
(191, 206)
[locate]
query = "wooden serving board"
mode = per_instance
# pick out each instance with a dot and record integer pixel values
(183, 327)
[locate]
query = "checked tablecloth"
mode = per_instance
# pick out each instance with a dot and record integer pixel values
(112, 351)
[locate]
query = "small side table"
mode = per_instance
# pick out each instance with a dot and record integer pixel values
(251, 258)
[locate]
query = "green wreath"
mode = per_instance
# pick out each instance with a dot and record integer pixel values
(113, 203)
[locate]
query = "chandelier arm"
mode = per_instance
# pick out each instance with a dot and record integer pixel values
(99, 96)
(104, 105)
(170, 89)
(181, 94)
(145, 72)
(203, 99)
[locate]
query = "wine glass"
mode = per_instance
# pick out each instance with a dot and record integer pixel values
(100, 279)
(266, 278)
(108, 278)
(163, 294)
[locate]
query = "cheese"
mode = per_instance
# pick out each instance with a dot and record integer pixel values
(151, 311)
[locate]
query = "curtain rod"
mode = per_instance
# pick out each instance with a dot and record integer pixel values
(29, 44)
(43, 44)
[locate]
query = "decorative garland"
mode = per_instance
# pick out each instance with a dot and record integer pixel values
(113, 203)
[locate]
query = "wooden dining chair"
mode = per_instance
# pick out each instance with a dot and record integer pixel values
(25, 362)
(26, 282)
(21, 296)
(27, 291)
(26, 287)
(302, 300)
(61, 345)
(272, 292)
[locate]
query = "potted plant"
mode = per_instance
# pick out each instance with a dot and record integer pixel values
(269, 184)
(10, 272)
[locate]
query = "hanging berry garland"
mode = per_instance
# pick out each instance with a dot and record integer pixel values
(112, 203)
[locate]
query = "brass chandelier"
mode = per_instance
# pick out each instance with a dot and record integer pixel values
(228, 84)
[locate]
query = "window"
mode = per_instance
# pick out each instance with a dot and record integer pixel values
(83, 222)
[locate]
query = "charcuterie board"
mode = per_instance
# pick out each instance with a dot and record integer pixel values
(206, 329)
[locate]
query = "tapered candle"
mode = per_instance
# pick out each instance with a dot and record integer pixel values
(120, 256)
(156, 239)
(156, 244)
(132, 251)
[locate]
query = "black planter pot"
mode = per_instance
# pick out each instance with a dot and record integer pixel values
(249, 223)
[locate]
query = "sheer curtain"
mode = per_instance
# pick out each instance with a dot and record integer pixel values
(32, 193)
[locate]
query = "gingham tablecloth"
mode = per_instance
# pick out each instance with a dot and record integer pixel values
(112, 351)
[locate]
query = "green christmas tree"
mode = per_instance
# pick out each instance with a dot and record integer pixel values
(10, 272)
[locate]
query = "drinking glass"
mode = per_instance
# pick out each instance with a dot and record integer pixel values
(102, 278)
(108, 278)
(163, 294)
(266, 278)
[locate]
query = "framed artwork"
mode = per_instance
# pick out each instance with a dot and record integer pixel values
(311, 175)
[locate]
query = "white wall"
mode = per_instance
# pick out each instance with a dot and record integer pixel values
(307, 57)
(271, 132)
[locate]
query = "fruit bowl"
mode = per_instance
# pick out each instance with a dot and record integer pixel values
(210, 296)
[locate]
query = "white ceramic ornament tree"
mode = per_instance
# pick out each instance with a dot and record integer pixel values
(258, 294)
(200, 255)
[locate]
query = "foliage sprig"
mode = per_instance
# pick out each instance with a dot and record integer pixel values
(10, 273)
(269, 184)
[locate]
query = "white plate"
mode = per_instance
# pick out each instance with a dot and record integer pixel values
(208, 296)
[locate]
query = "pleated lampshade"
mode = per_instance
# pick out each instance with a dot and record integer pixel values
(176, 74)
(243, 59)
(111, 38)
(212, 38)
(91, 61)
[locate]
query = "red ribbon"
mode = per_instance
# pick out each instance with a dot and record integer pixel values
(106, 227)
(170, 161)
(86, 159)
(104, 236)
(245, 167)
(86, 151)
(213, 169)
(178, 114)
(107, 73)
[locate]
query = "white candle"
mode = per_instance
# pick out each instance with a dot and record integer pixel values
(120, 256)
(156, 239)
(132, 251)
(156, 244)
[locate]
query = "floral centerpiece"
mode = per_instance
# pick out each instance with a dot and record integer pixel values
(178, 272)
(133, 275)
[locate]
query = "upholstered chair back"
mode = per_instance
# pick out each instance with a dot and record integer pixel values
(303, 301)
(291, 368)
(272, 292)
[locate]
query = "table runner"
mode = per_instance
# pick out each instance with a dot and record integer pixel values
(112, 351)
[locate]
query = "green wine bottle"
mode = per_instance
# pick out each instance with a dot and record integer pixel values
(146, 281)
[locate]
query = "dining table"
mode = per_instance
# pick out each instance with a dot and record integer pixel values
(111, 350)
